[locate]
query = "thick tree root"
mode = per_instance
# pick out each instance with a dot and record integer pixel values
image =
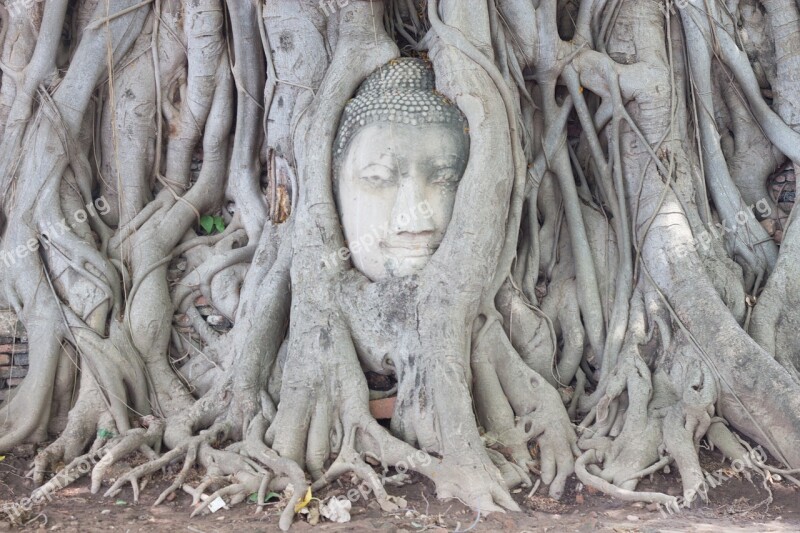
(596, 482)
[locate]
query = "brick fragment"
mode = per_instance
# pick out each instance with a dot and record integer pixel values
(14, 348)
(11, 372)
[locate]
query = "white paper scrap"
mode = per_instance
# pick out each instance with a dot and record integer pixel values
(216, 505)
(337, 510)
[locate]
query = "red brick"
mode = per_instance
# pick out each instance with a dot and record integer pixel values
(13, 348)
(5, 359)
(13, 382)
(382, 409)
(12, 372)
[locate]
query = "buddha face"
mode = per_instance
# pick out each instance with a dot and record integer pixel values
(396, 187)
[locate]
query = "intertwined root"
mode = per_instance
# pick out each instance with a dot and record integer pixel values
(106, 450)
(591, 457)
(236, 472)
(519, 406)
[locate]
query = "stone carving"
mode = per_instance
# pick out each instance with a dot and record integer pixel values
(399, 154)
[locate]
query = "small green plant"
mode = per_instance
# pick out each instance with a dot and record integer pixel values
(211, 223)
(103, 433)
(269, 496)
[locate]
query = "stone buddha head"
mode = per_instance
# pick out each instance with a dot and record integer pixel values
(399, 155)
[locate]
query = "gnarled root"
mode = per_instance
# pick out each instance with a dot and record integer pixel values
(522, 407)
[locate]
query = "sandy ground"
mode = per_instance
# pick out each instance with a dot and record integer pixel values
(735, 505)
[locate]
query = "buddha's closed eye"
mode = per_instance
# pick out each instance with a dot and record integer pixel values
(379, 180)
(446, 176)
(378, 175)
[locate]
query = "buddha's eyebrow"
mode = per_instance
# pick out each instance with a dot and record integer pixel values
(376, 164)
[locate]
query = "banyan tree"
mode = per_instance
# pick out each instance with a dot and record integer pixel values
(557, 231)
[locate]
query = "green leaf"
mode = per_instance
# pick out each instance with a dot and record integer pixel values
(121, 502)
(104, 434)
(270, 495)
(219, 223)
(207, 223)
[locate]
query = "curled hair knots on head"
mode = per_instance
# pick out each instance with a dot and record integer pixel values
(402, 92)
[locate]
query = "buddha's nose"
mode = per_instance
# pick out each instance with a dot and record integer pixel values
(410, 213)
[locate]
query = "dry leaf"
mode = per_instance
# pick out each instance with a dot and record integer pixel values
(302, 503)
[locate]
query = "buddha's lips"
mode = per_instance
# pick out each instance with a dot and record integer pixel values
(410, 247)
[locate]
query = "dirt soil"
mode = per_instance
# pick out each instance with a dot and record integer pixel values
(735, 505)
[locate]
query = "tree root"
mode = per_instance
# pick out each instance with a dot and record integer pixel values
(591, 480)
